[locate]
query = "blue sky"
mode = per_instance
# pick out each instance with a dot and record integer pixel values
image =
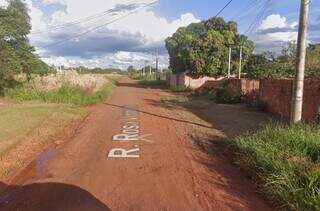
(134, 39)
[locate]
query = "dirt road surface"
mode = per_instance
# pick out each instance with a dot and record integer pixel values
(151, 166)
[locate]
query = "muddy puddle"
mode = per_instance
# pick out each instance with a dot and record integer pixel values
(37, 168)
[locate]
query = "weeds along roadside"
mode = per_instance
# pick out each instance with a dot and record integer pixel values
(66, 94)
(284, 160)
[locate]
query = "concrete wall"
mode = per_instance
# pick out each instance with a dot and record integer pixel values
(183, 80)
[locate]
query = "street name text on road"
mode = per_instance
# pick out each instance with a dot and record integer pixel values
(130, 132)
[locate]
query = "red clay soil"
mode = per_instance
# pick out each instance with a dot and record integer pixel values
(170, 173)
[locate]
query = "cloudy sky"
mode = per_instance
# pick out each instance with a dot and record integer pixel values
(119, 33)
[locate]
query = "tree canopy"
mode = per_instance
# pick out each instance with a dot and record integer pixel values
(16, 54)
(202, 48)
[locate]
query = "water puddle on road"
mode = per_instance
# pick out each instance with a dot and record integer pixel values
(37, 168)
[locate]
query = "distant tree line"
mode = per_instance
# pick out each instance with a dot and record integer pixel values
(16, 53)
(97, 70)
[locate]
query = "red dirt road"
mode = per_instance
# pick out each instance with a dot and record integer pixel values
(170, 174)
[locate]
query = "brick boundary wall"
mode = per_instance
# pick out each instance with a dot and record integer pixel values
(276, 94)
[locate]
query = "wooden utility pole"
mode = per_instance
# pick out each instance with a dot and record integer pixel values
(229, 64)
(297, 96)
(240, 63)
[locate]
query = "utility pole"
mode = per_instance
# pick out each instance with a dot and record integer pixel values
(145, 67)
(229, 64)
(297, 96)
(157, 66)
(240, 63)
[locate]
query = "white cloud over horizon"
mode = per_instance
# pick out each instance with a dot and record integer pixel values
(141, 32)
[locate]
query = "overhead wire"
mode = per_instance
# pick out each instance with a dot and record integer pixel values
(222, 9)
(100, 26)
(83, 20)
(258, 18)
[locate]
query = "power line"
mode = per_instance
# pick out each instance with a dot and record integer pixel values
(225, 6)
(258, 18)
(100, 26)
(247, 10)
(83, 20)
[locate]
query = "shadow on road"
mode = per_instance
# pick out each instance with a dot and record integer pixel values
(160, 116)
(48, 197)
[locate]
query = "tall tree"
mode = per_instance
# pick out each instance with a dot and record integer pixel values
(202, 48)
(16, 54)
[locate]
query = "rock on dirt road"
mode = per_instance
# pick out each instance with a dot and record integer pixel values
(131, 153)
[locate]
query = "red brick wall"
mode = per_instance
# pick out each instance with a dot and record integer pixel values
(277, 94)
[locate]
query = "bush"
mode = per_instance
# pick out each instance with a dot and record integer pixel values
(286, 161)
(223, 96)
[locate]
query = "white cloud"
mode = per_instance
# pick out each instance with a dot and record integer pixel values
(144, 25)
(121, 59)
(274, 31)
(274, 21)
(54, 2)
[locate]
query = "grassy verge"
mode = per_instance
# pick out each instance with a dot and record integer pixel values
(67, 94)
(285, 160)
(18, 120)
(27, 128)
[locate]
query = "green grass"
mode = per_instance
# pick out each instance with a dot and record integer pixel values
(174, 99)
(153, 82)
(285, 160)
(17, 121)
(178, 89)
(67, 94)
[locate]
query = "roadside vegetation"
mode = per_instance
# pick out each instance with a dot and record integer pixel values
(285, 160)
(66, 94)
